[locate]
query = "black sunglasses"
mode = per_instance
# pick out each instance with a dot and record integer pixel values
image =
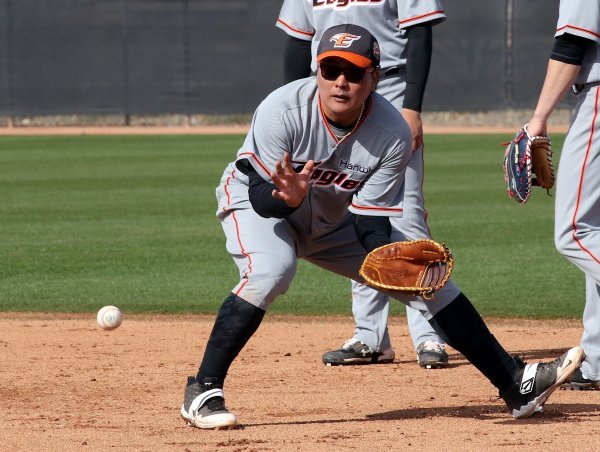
(353, 74)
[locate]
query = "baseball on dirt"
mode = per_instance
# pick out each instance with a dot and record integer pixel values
(109, 317)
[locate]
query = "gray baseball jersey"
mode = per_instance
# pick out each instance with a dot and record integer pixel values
(581, 18)
(387, 20)
(361, 174)
(577, 210)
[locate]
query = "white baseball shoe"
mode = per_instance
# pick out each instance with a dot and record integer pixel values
(204, 406)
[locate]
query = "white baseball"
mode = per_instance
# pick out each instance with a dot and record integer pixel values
(109, 317)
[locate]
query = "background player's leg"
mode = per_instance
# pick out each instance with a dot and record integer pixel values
(371, 341)
(428, 345)
(588, 376)
(590, 340)
(371, 317)
(577, 210)
(577, 224)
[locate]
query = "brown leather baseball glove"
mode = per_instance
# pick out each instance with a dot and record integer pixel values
(418, 267)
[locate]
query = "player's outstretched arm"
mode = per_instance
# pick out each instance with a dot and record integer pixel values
(291, 186)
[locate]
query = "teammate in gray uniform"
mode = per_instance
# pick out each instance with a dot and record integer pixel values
(575, 61)
(320, 173)
(403, 29)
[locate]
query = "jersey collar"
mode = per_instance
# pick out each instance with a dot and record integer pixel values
(356, 126)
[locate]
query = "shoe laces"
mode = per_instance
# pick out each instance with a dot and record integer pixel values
(434, 346)
(349, 343)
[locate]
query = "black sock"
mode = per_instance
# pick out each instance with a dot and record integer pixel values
(235, 324)
(464, 329)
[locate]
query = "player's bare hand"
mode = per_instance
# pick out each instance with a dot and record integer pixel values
(413, 118)
(537, 127)
(291, 186)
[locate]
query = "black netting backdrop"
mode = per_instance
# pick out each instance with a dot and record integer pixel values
(155, 57)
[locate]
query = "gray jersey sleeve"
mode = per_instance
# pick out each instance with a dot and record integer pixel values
(267, 140)
(295, 18)
(383, 192)
(582, 18)
(413, 12)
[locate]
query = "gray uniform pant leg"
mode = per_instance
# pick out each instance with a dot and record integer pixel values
(413, 225)
(577, 214)
(264, 251)
(369, 307)
(590, 340)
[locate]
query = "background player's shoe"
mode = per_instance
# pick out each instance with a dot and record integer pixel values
(578, 381)
(355, 352)
(432, 355)
(535, 382)
(204, 406)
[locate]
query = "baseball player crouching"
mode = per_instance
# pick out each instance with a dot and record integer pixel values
(320, 173)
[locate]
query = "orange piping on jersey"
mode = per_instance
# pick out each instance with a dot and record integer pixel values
(237, 232)
(257, 160)
(402, 22)
(307, 33)
(587, 154)
(578, 29)
(324, 119)
(356, 126)
(227, 191)
(426, 214)
(382, 209)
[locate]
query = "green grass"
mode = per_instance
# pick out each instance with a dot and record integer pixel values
(92, 220)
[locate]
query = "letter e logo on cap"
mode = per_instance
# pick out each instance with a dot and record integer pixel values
(343, 40)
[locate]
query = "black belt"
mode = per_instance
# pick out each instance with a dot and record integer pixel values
(392, 71)
(579, 87)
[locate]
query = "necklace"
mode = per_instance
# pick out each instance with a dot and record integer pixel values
(351, 129)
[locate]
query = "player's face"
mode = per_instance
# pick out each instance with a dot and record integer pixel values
(343, 87)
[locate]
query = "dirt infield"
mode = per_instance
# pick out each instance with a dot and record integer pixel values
(67, 385)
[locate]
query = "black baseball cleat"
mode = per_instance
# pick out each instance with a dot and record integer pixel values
(535, 382)
(204, 406)
(355, 352)
(432, 355)
(579, 382)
